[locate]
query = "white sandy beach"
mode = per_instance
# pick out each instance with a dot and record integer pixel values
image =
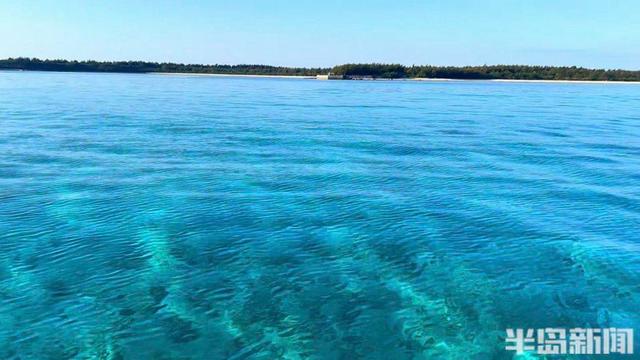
(234, 75)
(530, 81)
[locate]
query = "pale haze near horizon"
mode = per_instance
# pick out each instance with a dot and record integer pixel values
(595, 34)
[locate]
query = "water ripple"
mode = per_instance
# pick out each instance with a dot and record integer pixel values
(150, 217)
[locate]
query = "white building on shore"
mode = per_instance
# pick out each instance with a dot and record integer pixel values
(330, 76)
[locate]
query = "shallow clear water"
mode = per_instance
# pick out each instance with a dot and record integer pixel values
(176, 217)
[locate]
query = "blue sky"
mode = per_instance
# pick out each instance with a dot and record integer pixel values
(323, 33)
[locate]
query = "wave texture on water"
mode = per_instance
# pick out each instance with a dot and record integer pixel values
(149, 217)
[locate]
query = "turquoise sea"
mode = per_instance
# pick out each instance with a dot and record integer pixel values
(194, 217)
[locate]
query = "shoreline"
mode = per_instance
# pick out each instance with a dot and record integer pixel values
(567, 81)
(303, 77)
(299, 77)
(306, 77)
(518, 81)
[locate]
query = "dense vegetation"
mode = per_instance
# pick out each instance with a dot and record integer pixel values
(146, 67)
(389, 71)
(515, 72)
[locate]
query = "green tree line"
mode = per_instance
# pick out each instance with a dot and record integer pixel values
(386, 71)
(149, 67)
(508, 72)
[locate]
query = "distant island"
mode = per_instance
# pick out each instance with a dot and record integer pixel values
(348, 71)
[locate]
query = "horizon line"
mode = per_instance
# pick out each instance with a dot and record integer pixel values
(315, 67)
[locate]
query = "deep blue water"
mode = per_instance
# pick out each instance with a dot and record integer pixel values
(178, 217)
